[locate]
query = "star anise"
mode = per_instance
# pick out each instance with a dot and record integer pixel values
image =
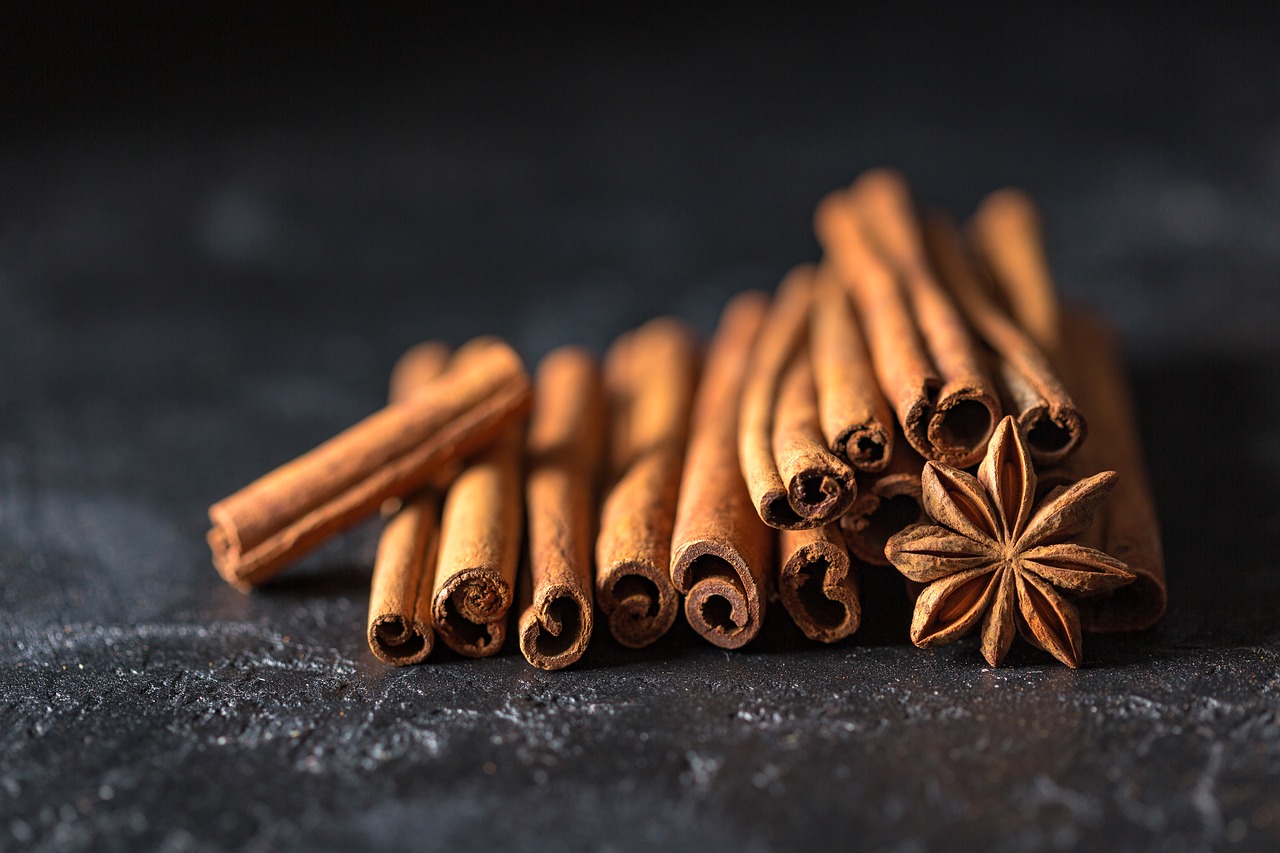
(991, 552)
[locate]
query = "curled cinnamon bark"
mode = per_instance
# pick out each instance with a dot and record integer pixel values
(964, 410)
(650, 375)
(887, 502)
(816, 585)
(399, 625)
(1006, 231)
(564, 448)
(794, 480)
(1045, 411)
(480, 550)
(392, 453)
(1127, 525)
(855, 416)
(720, 547)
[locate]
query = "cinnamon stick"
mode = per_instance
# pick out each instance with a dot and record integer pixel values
(1046, 414)
(564, 447)
(650, 376)
(887, 502)
(1127, 524)
(855, 416)
(720, 547)
(480, 550)
(816, 585)
(964, 409)
(794, 480)
(392, 453)
(399, 624)
(1006, 231)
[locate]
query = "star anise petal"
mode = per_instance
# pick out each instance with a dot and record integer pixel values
(1008, 477)
(998, 629)
(1052, 620)
(956, 500)
(1068, 513)
(926, 552)
(1077, 568)
(949, 608)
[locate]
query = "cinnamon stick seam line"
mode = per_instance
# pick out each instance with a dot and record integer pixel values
(650, 377)
(392, 453)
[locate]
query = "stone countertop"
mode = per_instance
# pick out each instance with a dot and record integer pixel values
(215, 240)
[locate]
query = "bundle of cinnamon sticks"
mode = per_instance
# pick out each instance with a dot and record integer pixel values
(918, 399)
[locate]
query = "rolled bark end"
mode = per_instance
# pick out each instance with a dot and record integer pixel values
(470, 612)
(1051, 436)
(892, 503)
(722, 601)
(398, 641)
(555, 631)
(816, 586)
(961, 425)
(866, 448)
(640, 602)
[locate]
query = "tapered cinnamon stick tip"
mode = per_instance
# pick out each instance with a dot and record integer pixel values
(555, 629)
(400, 642)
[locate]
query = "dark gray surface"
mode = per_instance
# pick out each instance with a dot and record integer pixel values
(214, 240)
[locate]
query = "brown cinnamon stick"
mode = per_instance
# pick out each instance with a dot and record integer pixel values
(650, 376)
(887, 502)
(965, 408)
(480, 549)
(391, 453)
(855, 416)
(1006, 231)
(399, 625)
(816, 585)
(564, 447)
(1127, 524)
(794, 480)
(720, 547)
(1045, 412)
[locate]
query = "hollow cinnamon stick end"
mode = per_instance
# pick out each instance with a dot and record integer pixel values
(639, 600)
(1051, 437)
(821, 495)
(722, 601)
(816, 586)
(398, 641)
(866, 448)
(470, 612)
(958, 431)
(225, 549)
(895, 505)
(555, 629)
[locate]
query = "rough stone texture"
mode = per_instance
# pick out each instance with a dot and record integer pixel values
(215, 239)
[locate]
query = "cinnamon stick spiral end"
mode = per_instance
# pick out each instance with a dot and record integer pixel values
(866, 448)
(961, 425)
(555, 630)
(892, 505)
(470, 612)
(1052, 436)
(640, 602)
(722, 601)
(816, 586)
(398, 641)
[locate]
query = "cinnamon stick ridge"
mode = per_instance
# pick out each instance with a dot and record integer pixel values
(720, 547)
(1046, 413)
(564, 447)
(399, 624)
(816, 585)
(887, 502)
(261, 528)
(794, 480)
(854, 414)
(1130, 531)
(480, 550)
(650, 376)
(1006, 231)
(964, 411)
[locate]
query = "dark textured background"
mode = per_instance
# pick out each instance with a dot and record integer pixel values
(217, 233)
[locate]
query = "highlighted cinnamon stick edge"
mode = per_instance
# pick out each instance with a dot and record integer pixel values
(888, 501)
(650, 376)
(260, 529)
(564, 447)
(720, 547)
(794, 480)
